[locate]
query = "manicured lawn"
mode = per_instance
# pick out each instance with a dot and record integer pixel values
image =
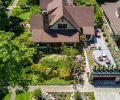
(7, 97)
(23, 96)
(56, 81)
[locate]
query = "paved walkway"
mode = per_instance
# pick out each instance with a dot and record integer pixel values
(69, 88)
(87, 68)
(53, 88)
(13, 94)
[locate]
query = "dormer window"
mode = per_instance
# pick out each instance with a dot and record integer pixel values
(62, 26)
(118, 12)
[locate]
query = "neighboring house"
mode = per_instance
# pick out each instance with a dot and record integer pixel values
(112, 15)
(62, 22)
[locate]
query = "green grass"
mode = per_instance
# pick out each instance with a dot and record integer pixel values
(23, 96)
(25, 16)
(56, 81)
(25, 13)
(7, 97)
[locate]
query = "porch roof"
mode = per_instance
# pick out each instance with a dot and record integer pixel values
(39, 35)
(88, 30)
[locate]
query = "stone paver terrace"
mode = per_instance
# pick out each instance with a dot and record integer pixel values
(100, 42)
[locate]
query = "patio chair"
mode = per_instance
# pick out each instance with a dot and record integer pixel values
(108, 61)
(100, 58)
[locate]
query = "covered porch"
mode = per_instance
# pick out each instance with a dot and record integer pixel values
(56, 47)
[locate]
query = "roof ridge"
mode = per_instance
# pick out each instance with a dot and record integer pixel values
(75, 24)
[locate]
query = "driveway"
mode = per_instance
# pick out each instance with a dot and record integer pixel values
(107, 96)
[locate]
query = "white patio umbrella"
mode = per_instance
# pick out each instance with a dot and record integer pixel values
(104, 54)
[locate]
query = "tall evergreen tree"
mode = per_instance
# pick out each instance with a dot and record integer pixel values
(3, 14)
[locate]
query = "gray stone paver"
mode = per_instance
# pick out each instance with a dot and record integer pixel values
(107, 96)
(100, 42)
(53, 88)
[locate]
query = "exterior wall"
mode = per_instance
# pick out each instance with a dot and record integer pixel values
(64, 21)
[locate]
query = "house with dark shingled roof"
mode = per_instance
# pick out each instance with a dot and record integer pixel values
(62, 22)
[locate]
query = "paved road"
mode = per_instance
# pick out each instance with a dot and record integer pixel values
(107, 96)
(12, 7)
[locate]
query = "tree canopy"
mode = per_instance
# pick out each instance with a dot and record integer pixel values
(14, 56)
(3, 15)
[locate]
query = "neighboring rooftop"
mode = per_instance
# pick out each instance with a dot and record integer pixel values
(110, 10)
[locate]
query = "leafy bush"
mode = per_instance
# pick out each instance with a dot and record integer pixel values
(104, 34)
(53, 61)
(91, 96)
(19, 91)
(37, 94)
(77, 95)
(17, 11)
(35, 10)
(106, 39)
(98, 16)
(69, 51)
(64, 73)
(109, 45)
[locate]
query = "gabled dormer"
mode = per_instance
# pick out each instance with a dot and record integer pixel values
(62, 24)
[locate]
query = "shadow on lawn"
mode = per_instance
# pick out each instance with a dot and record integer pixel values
(3, 93)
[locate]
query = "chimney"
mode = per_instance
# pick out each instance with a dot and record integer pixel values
(45, 20)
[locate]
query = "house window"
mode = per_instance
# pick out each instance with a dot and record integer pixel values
(62, 26)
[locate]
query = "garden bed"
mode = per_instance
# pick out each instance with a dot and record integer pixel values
(60, 95)
(112, 45)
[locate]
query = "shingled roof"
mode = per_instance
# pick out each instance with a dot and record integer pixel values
(80, 17)
(39, 35)
(77, 16)
(110, 10)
